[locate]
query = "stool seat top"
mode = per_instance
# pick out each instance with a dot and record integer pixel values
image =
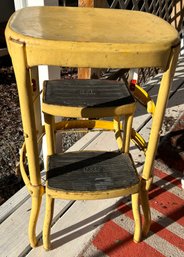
(94, 31)
(92, 25)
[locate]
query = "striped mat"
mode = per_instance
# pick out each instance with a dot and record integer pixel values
(166, 236)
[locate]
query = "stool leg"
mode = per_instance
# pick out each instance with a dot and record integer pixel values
(36, 203)
(127, 132)
(47, 222)
(137, 217)
(25, 90)
(49, 130)
(118, 136)
(146, 212)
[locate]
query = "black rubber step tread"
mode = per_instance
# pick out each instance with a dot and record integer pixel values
(91, 171)
(86, 93)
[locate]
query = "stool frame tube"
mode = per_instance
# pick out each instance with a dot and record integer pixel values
(18, 55)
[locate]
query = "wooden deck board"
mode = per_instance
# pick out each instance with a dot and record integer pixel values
(83, 218)
(14, 230)
(13, 203)
(73, 231)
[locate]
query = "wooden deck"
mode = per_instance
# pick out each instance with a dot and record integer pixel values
(75, 222)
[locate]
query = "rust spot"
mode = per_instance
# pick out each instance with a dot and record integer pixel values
(34, 86)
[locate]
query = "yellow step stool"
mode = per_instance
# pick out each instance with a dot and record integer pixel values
(96, 38)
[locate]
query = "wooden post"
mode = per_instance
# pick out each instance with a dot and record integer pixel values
(86, 3)
(93, 3)
(85, 73)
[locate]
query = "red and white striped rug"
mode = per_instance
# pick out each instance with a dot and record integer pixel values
(166, 237)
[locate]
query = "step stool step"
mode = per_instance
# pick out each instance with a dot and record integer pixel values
(91, 171)
(86, 93)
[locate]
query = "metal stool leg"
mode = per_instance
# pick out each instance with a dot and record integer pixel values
(30, 133)
(145, 185)
(146, 212)
(36, 203)
(127, 132)
(49, 129)
(118, 136)
(47, 222)
(137, 217)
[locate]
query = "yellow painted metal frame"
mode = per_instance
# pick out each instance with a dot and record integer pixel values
(68, 111)
(143, 97)
(136, 138)
(91, 196)
(50, 128)
(139, 48)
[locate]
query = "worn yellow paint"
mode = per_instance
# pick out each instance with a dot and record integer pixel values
(69, 111)
(85, 73)
(50, 136)
(158, 116)
(89, 37)
(136, 138)
(137, 217)
(118, 134)
(90, 44)
(145, 184)
(49, 210)
(143, 97)
(92, 195)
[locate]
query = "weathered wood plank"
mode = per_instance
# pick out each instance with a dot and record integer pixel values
(14, 230)
(13, 203)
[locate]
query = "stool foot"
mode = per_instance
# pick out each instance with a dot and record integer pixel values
(137, 217)
(47, 222)
(146, 212)
(36, 203)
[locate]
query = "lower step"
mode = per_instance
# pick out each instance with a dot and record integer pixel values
(91, 171)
